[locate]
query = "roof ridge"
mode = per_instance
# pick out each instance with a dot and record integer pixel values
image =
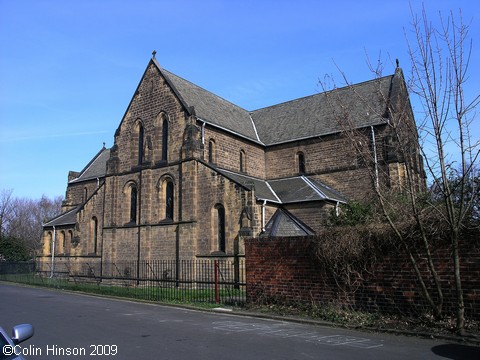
(312, 185)
(203, 89)
(255, 128)
(90, 163)
(295, 219)
(343, 88)
(266, 182)
(273, 192)
(273, 225)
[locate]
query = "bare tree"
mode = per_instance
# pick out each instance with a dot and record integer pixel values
(6, 210)
(396, 182)
(440, 59)
(22, 218)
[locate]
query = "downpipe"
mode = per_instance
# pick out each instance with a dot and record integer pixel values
(374, 145)
(53, 252)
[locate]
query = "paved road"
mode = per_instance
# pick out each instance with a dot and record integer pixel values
(87, 325)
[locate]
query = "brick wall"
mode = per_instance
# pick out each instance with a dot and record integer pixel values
(285, 270)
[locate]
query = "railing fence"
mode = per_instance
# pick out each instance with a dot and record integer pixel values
(220, 281)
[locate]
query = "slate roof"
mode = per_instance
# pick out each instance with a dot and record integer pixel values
(287, 191)
(302, 189)
(96, 168)
(298, 119)
(213, 109)
(303, 118)
(67, 218)
(285, 224)
(317, 115)
(263, 191)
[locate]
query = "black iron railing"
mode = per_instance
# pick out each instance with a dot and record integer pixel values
(214, 281)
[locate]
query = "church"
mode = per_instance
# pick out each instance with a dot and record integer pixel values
(191, 175)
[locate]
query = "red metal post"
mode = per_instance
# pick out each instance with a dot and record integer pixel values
(217, 295)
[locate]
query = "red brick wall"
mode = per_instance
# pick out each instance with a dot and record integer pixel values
(285, 270)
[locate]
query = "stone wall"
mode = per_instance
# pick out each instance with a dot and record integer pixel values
(142, 173)
(227, 152)
(152, 102)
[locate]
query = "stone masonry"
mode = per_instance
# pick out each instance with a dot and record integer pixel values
(191, 175)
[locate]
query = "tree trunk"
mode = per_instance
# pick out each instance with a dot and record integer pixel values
(460, 326)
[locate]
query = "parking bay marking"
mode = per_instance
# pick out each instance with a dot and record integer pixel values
(310, 336)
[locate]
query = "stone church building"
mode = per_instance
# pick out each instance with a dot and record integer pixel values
(190, 174)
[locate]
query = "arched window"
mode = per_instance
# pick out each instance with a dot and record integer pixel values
(169, 200)
(243, 165)
(48, 244)
(211, 151)
(94, 233)
(58, 242)
(301, 162)
(69, 241)
(140, 143)
(219, 228)
(166, 197)
(61, 242)
(164, 138)
(390, 149)
(133, 204)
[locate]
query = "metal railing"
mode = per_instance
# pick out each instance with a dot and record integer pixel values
(215, 281)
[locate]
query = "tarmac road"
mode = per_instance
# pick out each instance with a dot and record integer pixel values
(76, 326)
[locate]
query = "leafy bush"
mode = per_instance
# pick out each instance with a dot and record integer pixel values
(12, 249)
(351, 214)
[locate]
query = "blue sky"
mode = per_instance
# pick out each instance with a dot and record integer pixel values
(68, 69)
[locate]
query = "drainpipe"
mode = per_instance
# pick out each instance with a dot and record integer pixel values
(53, 251)
(337, 208)
(375, 157)
(263, 215)
(203, 133)
(139, 222)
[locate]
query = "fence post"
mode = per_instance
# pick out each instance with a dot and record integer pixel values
(217, 295)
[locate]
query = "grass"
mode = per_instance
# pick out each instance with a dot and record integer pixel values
(150, 292)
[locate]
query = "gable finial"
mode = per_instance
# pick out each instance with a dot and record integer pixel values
(153, 54)
(398, 63)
